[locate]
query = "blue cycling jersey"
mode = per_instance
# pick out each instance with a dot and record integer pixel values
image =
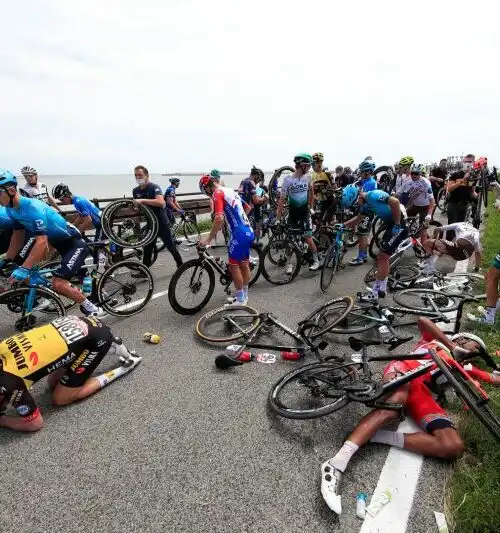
(376, 202)
(5, 221)
(367, 185)
(169, 193)
(87, 209)
(39, 219)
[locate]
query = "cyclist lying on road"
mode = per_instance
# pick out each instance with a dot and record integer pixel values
(67, 350)
(438, 437)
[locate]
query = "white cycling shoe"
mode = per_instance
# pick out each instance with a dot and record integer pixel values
(289, 269)
(331, 478)
(314, 266)
(231, 300)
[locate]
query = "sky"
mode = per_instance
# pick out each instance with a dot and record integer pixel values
(102, 85)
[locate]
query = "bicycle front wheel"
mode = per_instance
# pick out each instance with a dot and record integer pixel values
(191, 287)
(329, 268)
(125, 288)
(328, 316)
(427, 300)
(276, 182)
(312, 391)
(358, 320)
(404, 274)
(191, 233)
(227, 324)
(281, 262)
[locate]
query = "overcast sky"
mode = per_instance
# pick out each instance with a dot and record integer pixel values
(97, 86)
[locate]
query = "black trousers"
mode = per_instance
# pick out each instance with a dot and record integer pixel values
(166, 236)
(456, 213)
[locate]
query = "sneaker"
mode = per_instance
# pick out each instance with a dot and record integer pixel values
(480, 320)
(231, 300)
(314, 266)
(100, 313)
(331, 478)
(360, 260)
(368, 296)
(43, 305)
(289, 269)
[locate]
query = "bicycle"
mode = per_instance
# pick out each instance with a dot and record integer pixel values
(334, 256)
(232, 323)
(319, 389)
(196, 274)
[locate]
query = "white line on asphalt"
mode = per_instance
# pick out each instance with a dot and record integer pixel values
(133, 304)
(400, 473)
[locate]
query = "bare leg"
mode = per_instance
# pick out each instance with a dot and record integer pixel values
(64, 287)
(311, 244)
(236, 276)
(382, 266)
(492, 278)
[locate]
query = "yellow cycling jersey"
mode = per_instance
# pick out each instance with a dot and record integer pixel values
(320, 181)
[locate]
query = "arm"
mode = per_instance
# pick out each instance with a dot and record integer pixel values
(429, 330)
(83, 222)
(311, 195)
(452, 185)
(395, 206)
(27, 424)
(216, 227)
(158, 201)
(54, 204)
(353, 221)
(477, 259)
(16, 244)
(37, 252)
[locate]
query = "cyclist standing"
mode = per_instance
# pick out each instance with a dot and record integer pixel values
(35, 189)
(172, 206)
(402, 173)
(228, 205)
(254, 197)
(323, 184)
(297, 187)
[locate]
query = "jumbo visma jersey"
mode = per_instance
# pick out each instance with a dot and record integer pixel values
(297, 190)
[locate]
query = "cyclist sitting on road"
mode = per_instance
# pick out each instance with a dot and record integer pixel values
(465, 243)
(402, 173)
(49, 227)
(68, 350)
(389, 210)
(438, 437)
(298, 188)
(367, 183)
(35, 189)
(89, 215)
(228, 204)
(172, 206)
(323, 184)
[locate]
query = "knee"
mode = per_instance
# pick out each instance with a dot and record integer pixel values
(56, 282)
(451, 447)
(61, 398)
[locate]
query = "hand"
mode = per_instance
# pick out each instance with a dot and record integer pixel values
(20, 274)
(396, 229)
(428, 218)
(203, 243)
(138, 201)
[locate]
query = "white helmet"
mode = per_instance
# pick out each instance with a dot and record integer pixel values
(470, 336)
(28, 170)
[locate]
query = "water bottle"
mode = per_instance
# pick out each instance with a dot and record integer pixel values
(384, 333)
(87, 285)
(361, 505)
(388, 314)
(290, 356)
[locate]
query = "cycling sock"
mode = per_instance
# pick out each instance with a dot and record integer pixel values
(383, 285)
(344, 455)
(89, 306)
(362, 253)
(108, 377)
(393, 438)
(315, 256)
(245, 291)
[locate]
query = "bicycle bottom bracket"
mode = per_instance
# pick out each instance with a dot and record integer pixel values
(25, 323)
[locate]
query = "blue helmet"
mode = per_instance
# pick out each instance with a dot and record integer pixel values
(367, 166)
(174, 180)
(7, 178)
(349, 195)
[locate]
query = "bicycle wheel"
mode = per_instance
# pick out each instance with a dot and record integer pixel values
(358, 320)
(279, 257)
(191, 232)
(15, 314)
(312, 391)
(404, 274)
(441, 200)
(484, 188)
(326, 317)
(276, 182)
(385, 178)
(394, 261)
(329, 268)
(472, 398)
(420, 299)
(374, 246)
(255, 264)
(468, 283)
(191, 287)
(125, 288)
(227, 324)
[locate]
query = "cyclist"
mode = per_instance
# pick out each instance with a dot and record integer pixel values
(215, 173)
(297, 187)
(89, 215)
(438, 177)
(390, 211)
(255, 197)
(438, 437)
(492, 278)
(35, 189)
(367, 183)
(465, 243)
(149, 194)
(49, 227)
(416, 195)
(228, 205)
(172, 206)
(68, 351)
(323, 184)
(402, 172)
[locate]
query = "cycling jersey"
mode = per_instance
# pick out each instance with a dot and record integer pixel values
(401, 179)
(247, 189)
(6, 223)
(297, 190)
(169, 194)
(77, 344)
(320, 181)
(368, 184)
(417, 192)
(87, 209)
(377, 202)
(464, 230)
(38, 191)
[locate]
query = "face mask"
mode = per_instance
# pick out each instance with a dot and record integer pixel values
(140, 181)
(466, 166)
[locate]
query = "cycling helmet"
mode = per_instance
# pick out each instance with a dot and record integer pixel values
(348, 171)
(205, 181)
(28, 170)
(303, 158)
(417, 168)
(60, 190)
(215, 173)
(471, 337)
(7, 178)
(318, 156)
(368, 158)
(367, 166)
(349, 195)
(406, 161)
(174, 180)
(257, 172)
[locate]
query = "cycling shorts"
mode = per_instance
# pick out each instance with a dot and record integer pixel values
(238, 248)
(420, 405)
(459, 250)
(73, 253)
(257, 214)
(365, 224)
(496, 262)
(300, 219)
(418, 210)
(390, 242)
(170, 216)
(97, 344)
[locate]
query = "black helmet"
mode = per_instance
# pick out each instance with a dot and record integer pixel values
(60, 190)
(257, 172)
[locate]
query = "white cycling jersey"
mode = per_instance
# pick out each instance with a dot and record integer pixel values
(40, 191)
(400, 180)
(464, 230)
(419, 192)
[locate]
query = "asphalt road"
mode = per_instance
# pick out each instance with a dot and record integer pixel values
(179, 446)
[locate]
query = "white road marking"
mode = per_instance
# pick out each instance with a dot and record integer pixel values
(133, 304)
(401, 472)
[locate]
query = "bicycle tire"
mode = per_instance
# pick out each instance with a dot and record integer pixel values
(386, 182)
(400, 273)
(318, 316)
(127, 288)
(470, 396)
(444, 302)
(441, 200)
(305, 377)
(459, 278)
(196, 264)
(485, 187)
(374, 246)
(329, 268)
(358, 320)
(283, 246)
(13, 300)
(273, 184)
(255, 265)
(191, 231)
(212, 316)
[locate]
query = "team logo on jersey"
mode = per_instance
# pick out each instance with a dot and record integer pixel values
(39, 224)
(19, 346)
(23, 409)
(71, 329)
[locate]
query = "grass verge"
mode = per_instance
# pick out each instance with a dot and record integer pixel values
(473, 493)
